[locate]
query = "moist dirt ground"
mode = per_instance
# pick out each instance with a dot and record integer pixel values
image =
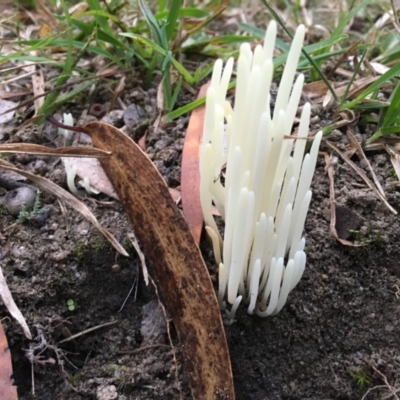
(337, 338)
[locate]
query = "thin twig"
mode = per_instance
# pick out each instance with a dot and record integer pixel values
(87, 331)
(153, 346)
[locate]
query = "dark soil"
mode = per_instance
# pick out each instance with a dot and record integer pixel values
(336, 338)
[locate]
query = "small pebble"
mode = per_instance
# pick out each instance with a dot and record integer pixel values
(116, 268)
(18, 199)
(40, 167)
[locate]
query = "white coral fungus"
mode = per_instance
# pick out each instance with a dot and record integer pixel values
(266, 191)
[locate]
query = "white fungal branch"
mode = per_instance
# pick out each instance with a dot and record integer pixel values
(71, 169)
(266, 193)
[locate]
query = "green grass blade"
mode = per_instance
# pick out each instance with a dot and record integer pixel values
(392, 113)
(102, 22)
(177, 65)
(183, 13)
(176, 92)
(346, 18)
(392, 73)
(78, 45)
(48, 104)
(202, 72)
(218, 41)
(353, 77)
(253, 30)
(100, 36)
(98, 13)
(71, 94)
(187, 108)
(33, 45)
(162, 4)
(172, 19)
(153, 24)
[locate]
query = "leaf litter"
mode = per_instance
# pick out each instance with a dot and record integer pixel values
(342, 286)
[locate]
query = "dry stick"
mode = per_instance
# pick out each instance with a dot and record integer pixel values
(153, 346)
(361, 154)
(94, 328)
(362, 175)
(381, 144)
(135, 283)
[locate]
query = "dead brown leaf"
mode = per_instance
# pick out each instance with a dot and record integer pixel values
(316, 89)
(190, 173)
(37, 149)
(38, 90)
(173, 259)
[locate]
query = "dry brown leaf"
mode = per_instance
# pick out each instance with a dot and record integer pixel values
(7, 389)
(381, 143)
(190, 173)
(38, 90)
(15, 93)
(12, 308)
(315, 89)
(356, 88)
(344, 57)
(37, 149)
(63, 195)
(174, 261)
(78, 8)
(44, 31)
(344, 118)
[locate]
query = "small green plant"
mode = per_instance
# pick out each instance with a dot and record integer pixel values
(80, 249)
(26, 215)
(361, 377)
(74, 379)
(98, 244)
(127, 245)
(71, 305)
(112, 369)
(368, 236)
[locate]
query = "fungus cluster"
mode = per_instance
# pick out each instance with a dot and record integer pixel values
(264, 193)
